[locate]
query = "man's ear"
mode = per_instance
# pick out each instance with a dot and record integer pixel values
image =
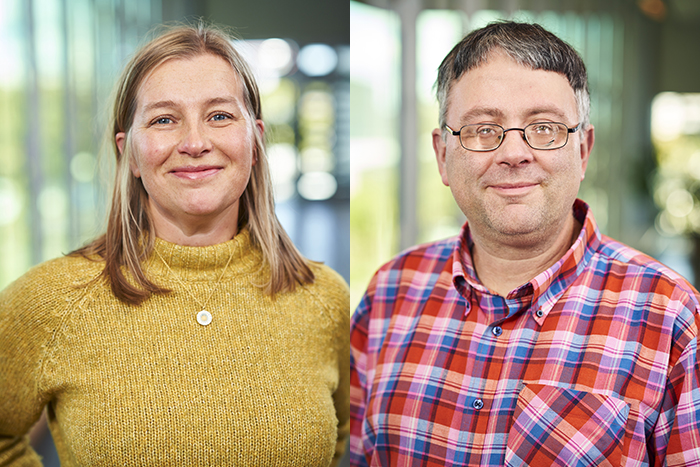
(586, 146)
(440, 148)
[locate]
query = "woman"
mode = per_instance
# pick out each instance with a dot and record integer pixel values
(192, 332)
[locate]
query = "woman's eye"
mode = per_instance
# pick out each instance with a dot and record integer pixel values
(162, 121)
(220, 117)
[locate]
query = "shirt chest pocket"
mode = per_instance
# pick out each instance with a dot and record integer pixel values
(565, 427)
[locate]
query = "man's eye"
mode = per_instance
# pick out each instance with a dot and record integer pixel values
(485, 131)
(544, 129)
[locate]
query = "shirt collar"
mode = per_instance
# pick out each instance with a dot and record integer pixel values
(546, 287)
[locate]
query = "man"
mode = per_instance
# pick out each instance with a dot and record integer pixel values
(529, 339)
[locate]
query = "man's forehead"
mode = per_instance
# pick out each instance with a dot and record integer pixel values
(498, 54)
(501, 86)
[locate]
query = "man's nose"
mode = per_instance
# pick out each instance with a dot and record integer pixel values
(513, 150)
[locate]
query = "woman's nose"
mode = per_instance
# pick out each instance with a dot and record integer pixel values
(195, 142)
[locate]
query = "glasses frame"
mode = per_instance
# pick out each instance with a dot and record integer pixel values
(521, 130)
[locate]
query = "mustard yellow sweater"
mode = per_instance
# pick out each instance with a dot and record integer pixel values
(264, 384)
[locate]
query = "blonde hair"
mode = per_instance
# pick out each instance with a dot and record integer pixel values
(130, 235)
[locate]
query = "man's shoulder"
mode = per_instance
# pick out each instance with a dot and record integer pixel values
(424, 256)
(406, 281)
(636, 263)
(412, 272)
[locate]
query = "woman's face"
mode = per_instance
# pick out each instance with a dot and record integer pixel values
(192, 143)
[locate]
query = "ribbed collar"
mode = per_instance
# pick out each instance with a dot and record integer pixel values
(205, 262)
(544, 290)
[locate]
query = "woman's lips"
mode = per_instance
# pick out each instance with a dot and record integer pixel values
(195, 173)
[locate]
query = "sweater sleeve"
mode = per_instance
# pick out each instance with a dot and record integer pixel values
(30, 313)
(332, 290)
(341, 398)
(23, 339)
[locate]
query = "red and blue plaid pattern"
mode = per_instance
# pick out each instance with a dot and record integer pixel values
(593, 362)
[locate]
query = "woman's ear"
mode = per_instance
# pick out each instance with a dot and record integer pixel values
(260, 128)
(120, 139)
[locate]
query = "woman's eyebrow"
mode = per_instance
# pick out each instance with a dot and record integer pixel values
(171, 104)
(222, 100)
(159, 105)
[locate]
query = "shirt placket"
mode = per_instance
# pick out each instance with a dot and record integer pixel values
(488, 328)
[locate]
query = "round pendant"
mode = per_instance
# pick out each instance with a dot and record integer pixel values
(204, 317)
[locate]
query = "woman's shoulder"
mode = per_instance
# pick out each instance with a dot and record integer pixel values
(58, 280)
(330, 287)
(34, 306)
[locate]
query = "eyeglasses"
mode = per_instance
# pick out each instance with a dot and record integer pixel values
(545, 136)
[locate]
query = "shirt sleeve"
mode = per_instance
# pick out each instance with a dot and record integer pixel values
(23, 339)
(358, 378)
(677, 431)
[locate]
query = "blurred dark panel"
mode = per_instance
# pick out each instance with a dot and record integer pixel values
(304, 21)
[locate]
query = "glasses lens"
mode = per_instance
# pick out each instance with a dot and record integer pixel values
(481, 137)
(546, 135)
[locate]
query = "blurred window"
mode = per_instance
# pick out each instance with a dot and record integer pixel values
(675, 131)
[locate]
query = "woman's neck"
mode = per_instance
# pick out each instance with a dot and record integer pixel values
(191, 230)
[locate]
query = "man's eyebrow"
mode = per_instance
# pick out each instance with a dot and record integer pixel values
(558, 113)
(479, 112)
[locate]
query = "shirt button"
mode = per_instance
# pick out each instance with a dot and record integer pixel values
(478, 404)
(497, 331)
(539, 313)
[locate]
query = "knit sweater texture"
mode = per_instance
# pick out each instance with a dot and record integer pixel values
(264, 384)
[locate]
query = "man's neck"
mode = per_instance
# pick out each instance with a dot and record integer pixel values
(504, 266)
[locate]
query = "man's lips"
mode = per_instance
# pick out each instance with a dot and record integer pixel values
(514, 189)
(196, 173)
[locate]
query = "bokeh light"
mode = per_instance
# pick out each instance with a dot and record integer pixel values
(82, 167)
(10, 201)
(317, 59)
(317, 186)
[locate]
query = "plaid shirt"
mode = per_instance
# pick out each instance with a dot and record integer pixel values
(594, 361)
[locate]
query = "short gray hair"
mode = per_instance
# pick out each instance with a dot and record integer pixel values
(528, 44)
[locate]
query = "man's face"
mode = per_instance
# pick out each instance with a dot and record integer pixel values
(514, 194)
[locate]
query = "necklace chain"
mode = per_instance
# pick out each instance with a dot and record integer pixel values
(202, 305)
